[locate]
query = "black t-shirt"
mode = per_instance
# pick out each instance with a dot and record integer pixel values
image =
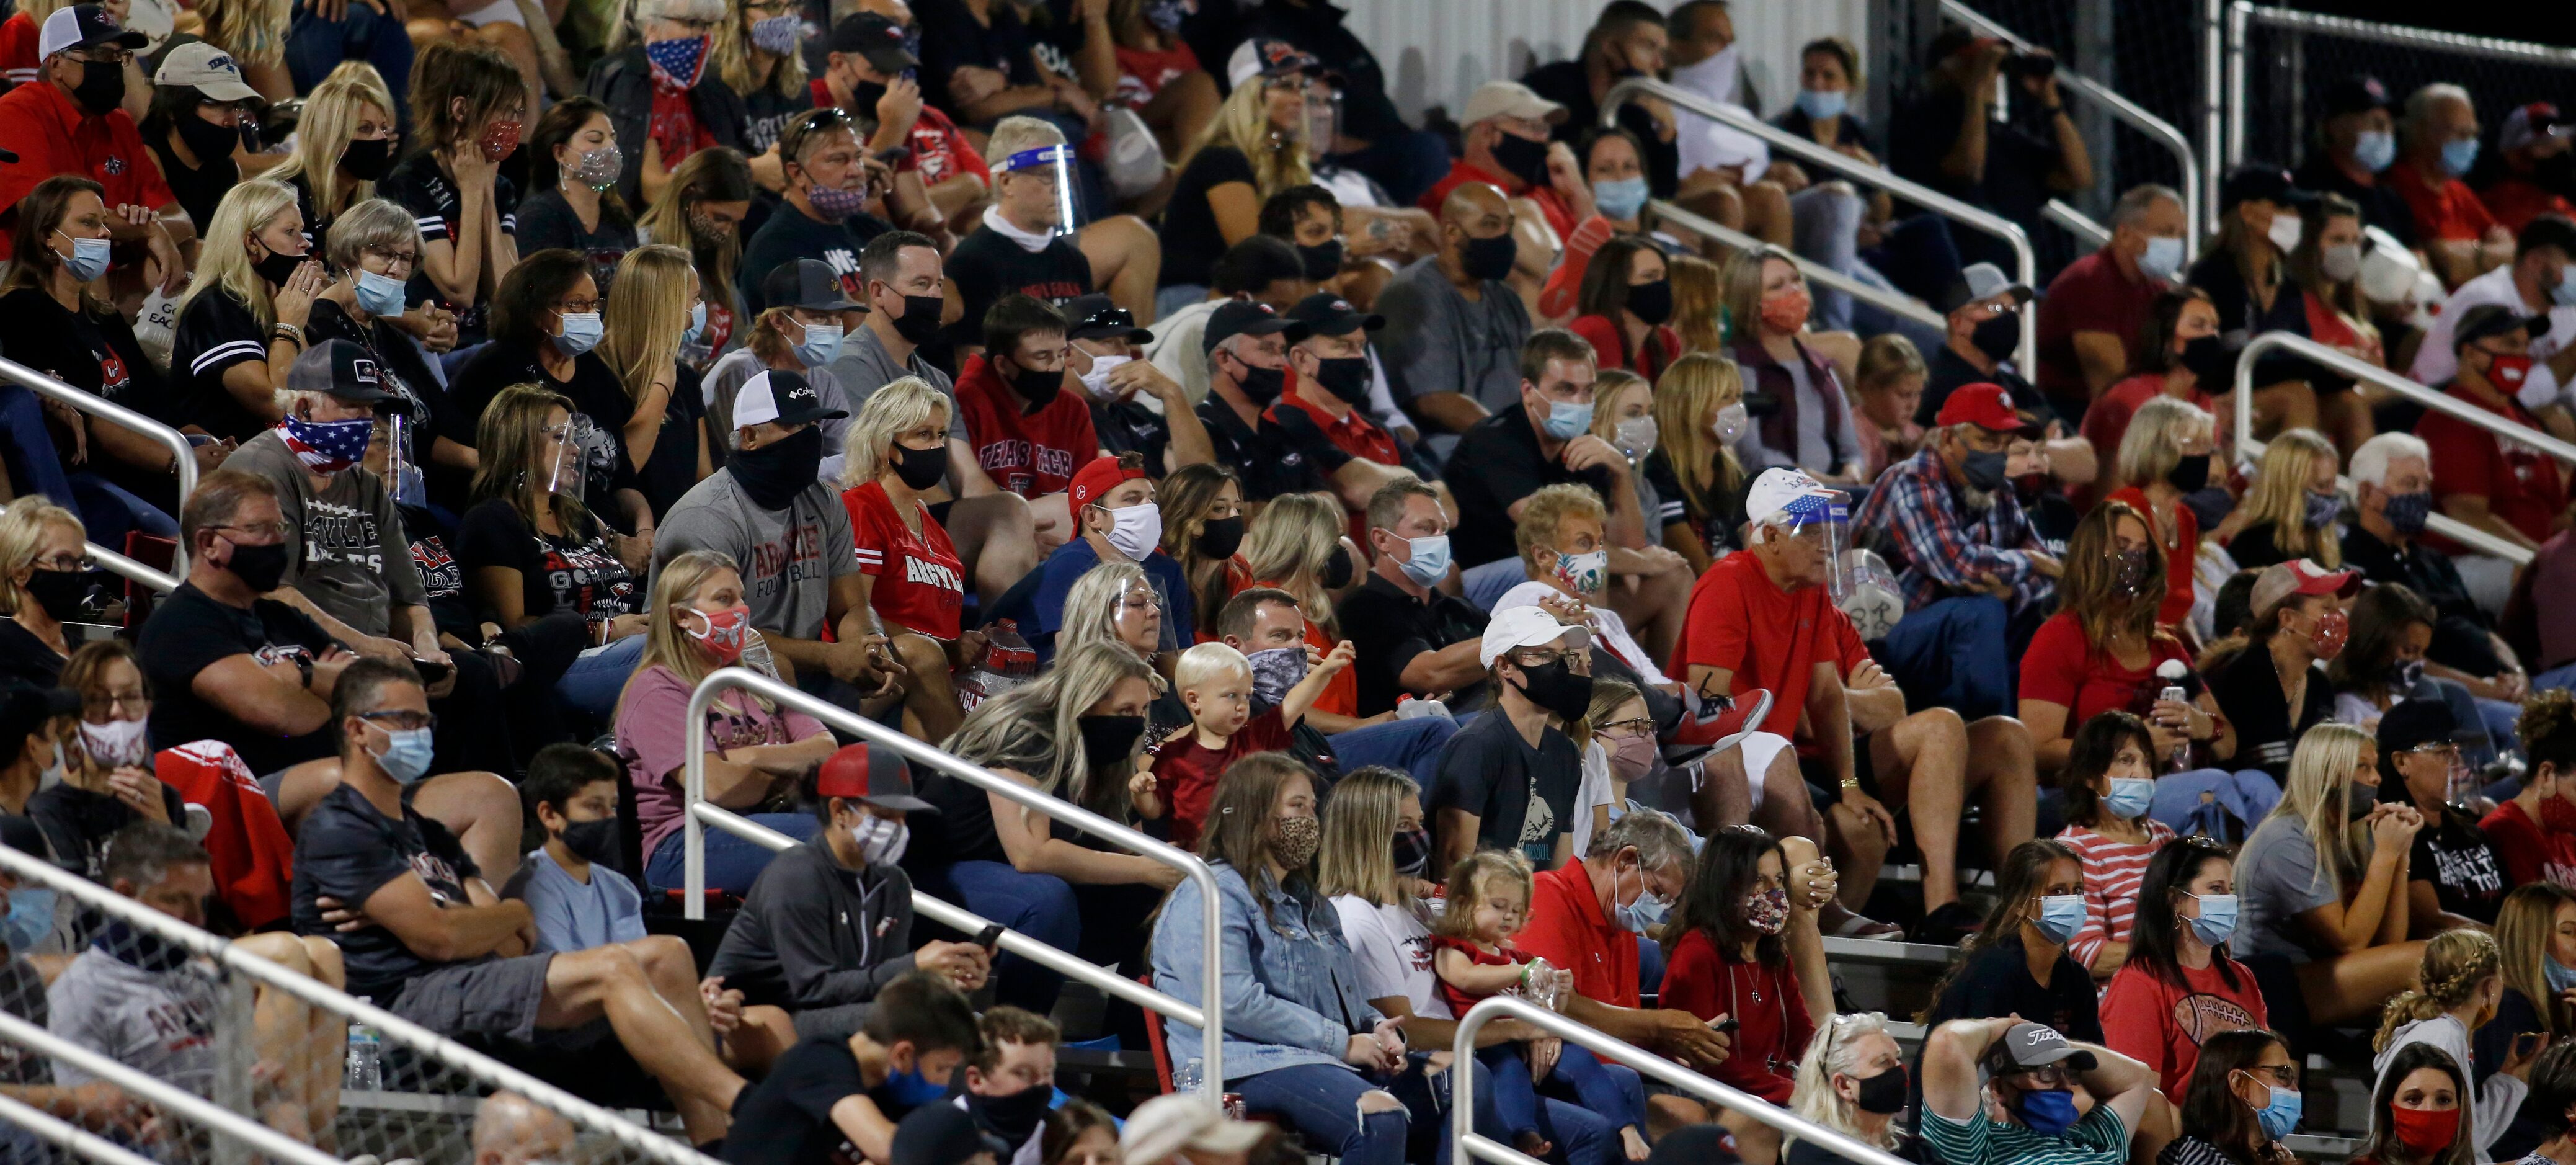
(189, 632)
(962, 830)
(26, 659)
(2240, 318)
(348, 850)
(2019, 154)
(580, 574)
(1565, 83)
(1949, 371)
(200, 189)
(769, 112)
(1490, 770)
(987, 266)
(789, 235)
(2455, 858)
(1285, 454)
(595, 392)
(672, 467)
(2381, 205)
(546, 220)
(97, 354)
(1907, 1147)
(423, 187)
(78, 822)
(442, 578)
(1717, 529)
(1191, 238)
(951, 39)
(2460, 633)
(2248, 691)
(1995, 982)
(1507, 466)
(1390, 627)
(786, 1119)
(216, 331)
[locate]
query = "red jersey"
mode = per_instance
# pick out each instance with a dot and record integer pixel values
(2065, 669)
(1609, 342)
(2513, 201)
(920, 582)
(2530, 851)
(2178, 557)
(2449, 212)
(54, 135)
(2520, 483)
(1185, 771)
(1559, 215)
(2162, 1024)
(1773, 1026)
(18, 41)
(1566, 928)
(1459, 1001)
(1741, 621)
(1142, 73)
(1031, 454)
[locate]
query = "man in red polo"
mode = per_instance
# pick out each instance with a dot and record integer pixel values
(67, 121)
(1507, 145)
(1585, 917)
(1333, 374)
(2438, 138)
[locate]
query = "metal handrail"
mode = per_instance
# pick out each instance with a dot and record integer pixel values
(2090, 233)
(2237, 15)
(1462, 1123)
(65, 1134)
(2409, 37)
(1211, 1008)
(2213, 107)
(1896, 303)
(116, 414)
(119, 565)
(393, 1028)
(2025, 260)
(2121, 108)
(161, 1092)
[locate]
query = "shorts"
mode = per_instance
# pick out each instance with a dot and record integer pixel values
(2285, 1009)
(1825, 786)
(495, 1000)
(1759, 751)
(496, 12)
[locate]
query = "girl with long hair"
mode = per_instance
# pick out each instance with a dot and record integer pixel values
(2179, 356)
(2108, 785)
(2178, 965)
(654, 305)
(2242, 1098)
(755, 51)
(573, 159)
(1296, 545)
(2326, 266)
(469, 103)
(1624, 304)
(1699, 420)
(1887, 389)
(2419, 1111)
(1203, 531)
(1699, 303)
(1254, 148)
(2291, 509)
(2535, 935)
(2462, 983)
(1744, 944)
(253, 33)
(1767, 306)
(2246, 273)
(2322, 882)
(2534, 834)
(701, 211)
(2016, 962)
(2383, 662)
(909, 572)
(241, 325)
(344, 143)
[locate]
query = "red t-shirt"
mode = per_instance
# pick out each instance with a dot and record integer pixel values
(2520, 483)
(2162, 1025)
(1559, 215)
(1185, 771)
(1029, 454)
(1142, 73)
(1566, 928)
(1564, 283)
(2091, 295)
(1605, 338)
(920, 582)
(1773, 1026)
(2513, 201)
(1743, 622)
(2529, 852)
(1459, 1001)
(2178, 558)
(2446, 213)
(52, 135)
(18, 39)
(2062, 668)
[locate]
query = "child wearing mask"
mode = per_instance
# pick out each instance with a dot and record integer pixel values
(1218, 685)
(572, 884)
(1745, 947)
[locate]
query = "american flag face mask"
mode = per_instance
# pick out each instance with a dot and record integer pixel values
(327, 446)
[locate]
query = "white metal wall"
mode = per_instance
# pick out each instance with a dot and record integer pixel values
(1437, 51)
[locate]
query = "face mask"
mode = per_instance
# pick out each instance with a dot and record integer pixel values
(499, 139)
(2207, 359)
(2458, 155)
(679, 61)
(1647, 912)
(919, 322)
(1412, 853)
(31, 918)
(1430, 561)
(865, 95)
(2163, 257)
(2284, 231)
(1786, 311)
(881, 840)
(379, 295)
(2322, 510)
(2409, 674)
(2282, 1114)
(920, 469)
(1337, 570)
(1261, 385)
(101, 88)
(1823, 104)
(2129, 797)
(909, 1089)
(278, 267)
(117, 743)
(258, 567)
(2191, 474)
(1767, 912)
(1567, 421)
(1522, 158)
(2408, 512)
(2341, 262)
(1136, 530)
(697, 323)
(1346, 377)
(327, 446)
(2217, 918)
(1985, 469)
(1635, 437)
(1582, 572)
(1296, 841)
(1488, 259)
(582, 332)
(1107, 741)
(407, 755)
(1730, 423)
(60, 593)
(776, 35)
(2359, 799)
(1014, 1118)
(774, 474)
(211, 143)
(2048, 1113)
(2059, 917)
(594, 841)
(1633, 757)
(598, 169)
(2506, 371)
(1219, 537)
(88, 259)
(2563, 293)
(1322, 261)
(2426, 1132)
(822, 343)
(1619, 199)
(2374, 150)
(1999, 337)
(726, 632)
(1652, 303)
(2562, 978)
(1884, 1093)
(367, 159)
(1037, 386)
(2334, 629)
(2557, 816)
(1274, 671)
(834, 203)
(1555, 688)
(1096, 381)
(2028, 487)
(1166, 15)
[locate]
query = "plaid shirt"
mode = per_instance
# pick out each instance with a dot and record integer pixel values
(1946, 545)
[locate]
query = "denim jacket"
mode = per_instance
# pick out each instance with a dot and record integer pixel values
(1289, 984)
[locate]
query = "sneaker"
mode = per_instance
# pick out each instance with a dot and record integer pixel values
(1947, 924)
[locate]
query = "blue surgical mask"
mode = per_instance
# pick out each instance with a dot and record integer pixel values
(2130, 797)
(407, 754)
(1819, 104)
(1619, 198)
(2163, 258)
(909, 1087)
(2375, 150)
(697, 323)
(822, 342)
(379, 295)
(2060, 916)
(2458, 154)
(31, 918)
(1647, 912)
(581, 333)
(89, 257)
(2564, 294)
(2048, 1113)
(2562, 978)
(1430, 561)
(2217, 918)
(1565, 421)
(2282, 1115)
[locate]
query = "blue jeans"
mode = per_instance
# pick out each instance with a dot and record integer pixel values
(596, 677)
(1322, 1102)
(2250, 794)
(732, 863)
(315, 46)
(109, 512)
(2557, 678)
(2500, 717)
(1953, 654)
(1412, 746)
(1615, 1092)
(1040, 906)
(1486, 583)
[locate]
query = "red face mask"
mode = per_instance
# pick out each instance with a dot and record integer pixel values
(499, 139)
(1786, 311)
(725, 633)
(2334, 629)
(2506, 372)
(2426, 1131)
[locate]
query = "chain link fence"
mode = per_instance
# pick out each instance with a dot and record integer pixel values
(2291, 57)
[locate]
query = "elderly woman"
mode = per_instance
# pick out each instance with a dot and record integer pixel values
(44, 576)
(242, 322)
(1303, 1045)
(1767, 300)
(908, 569)
(373, 252)
(665, 99)
(2164, 458)
(1851, 1079)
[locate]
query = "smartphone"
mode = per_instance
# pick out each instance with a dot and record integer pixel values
(431, 671)
(894, 155)
(1727, 1025)
(990, 938)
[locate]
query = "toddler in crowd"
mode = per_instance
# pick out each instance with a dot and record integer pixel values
(1472, 953)
(1216, 684)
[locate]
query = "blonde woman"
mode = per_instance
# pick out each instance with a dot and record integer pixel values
(2165, 456)
(909, 572)
(1372, 865)
(1115, 602)
(1886, 390)
(2322, 887)
(1699, 419)
(1296, 545)
(756, 54)
(241, 324)
(1851, 1079)
(2458, 988)
(344, 143)
(701, 210)
(1767, 305)
(44, 575)
(2290, 510)
(754, 751)
(653, 306)
(2534, 928)
(1255, 148)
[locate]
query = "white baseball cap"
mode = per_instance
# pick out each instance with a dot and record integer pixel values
(80, 26)
(1509, 99)
(785, 397)
(1785, 490)
(1516, 627)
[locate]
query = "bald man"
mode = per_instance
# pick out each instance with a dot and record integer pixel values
(509, 1129)
(1454, 327)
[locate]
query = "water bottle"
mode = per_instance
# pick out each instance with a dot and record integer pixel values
(366, 1060)
(1008, 662)
(2182, 751)
(1188, 1077)
(1409, 708)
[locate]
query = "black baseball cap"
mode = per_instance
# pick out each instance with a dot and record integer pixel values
(810, 284)
(342, 369)
(2489, 320)
(875, 38)
(24, 709)
(2412, 723)
(2358, 93)
(1096, 317)
(943, 1134)
(2256, 180)
(1327, 314)
(1244, 317)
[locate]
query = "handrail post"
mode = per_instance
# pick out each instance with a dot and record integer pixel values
(182, 453)
(2213, 112)
(2237, 97)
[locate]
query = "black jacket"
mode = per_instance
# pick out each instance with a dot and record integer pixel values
(815, 934)
(624, 83)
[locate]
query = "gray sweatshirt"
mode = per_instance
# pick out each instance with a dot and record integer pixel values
(816, 934)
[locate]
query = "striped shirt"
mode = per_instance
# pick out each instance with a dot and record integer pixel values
(2101, 1138)
(2112, 871)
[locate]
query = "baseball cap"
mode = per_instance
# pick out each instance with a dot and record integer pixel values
(2489, 320)
(1983, 281)
(81, 26)
(1244, 317)
(1099, 477)
(208, 68)
(1266, 56)
(1095, 317)
(340, 368)
(1987, 406)
(785, 397)
(2283, 581)
(24, 709)
(1515, 627)
(1509, 99)
(2358, 93)
(2410, 723)
(1166, 1125)
(874, 38)
(875, 775)
(1327, 314)
(2256, 180)
(2528, 123)
(810, 284)
(944, 1134)
(2025, 1046)
(1783, 490)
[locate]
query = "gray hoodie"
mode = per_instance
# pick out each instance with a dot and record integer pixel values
(815, 934)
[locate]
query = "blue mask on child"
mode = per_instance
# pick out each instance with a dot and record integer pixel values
(911, 1088)
(2049, 1113)
(2060, 916)
(31, 918)
(2130, 797)
(697, 322)
(2282, 1115)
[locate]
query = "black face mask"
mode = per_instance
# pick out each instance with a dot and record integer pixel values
(367, 159)
(1557, 689)
(2190, 474)
(258, 567)
(595, 841)
(1035, 385)
(1220, 537)
(1261, 385)
(59, 592)
(864, 97)
(2207, 360)
(1884, 1093)
(921, 469)
(101, 88)
(1013, 1118)
(919, 323)
(1999, 337)
(1522, 158)
(1106, 740)
(1337, 569)
(1346, 377)
(1488, 259)
(278, 267)
(774, 474)
(1412, 853)
(211, 143)
(1651, 302)
(1322, 261)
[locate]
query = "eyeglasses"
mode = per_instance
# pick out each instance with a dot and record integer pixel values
(579, 307)
(279, 529)
(1640, 726)
(1143, 601)
(1542, 657)
(2285, 1075)
(404, 261)
(62, 564)
(102, 56)
(2047, 1074)
(108, 703)
(406, 721)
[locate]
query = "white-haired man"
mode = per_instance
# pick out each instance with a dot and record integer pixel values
(2437, 142)
(2392, 482)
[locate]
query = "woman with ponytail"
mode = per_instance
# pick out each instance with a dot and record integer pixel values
(2244, 1099)
(2178, 966)
(2534, 834)
(2462, 981)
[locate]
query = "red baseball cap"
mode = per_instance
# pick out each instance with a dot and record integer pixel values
(1986, 406)
(1101, 476)
(877, 776)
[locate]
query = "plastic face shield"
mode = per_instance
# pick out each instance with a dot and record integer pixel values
(1824, 524)
(1050, 164)
(402, 467)
(1323, 119)
(575, 451)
